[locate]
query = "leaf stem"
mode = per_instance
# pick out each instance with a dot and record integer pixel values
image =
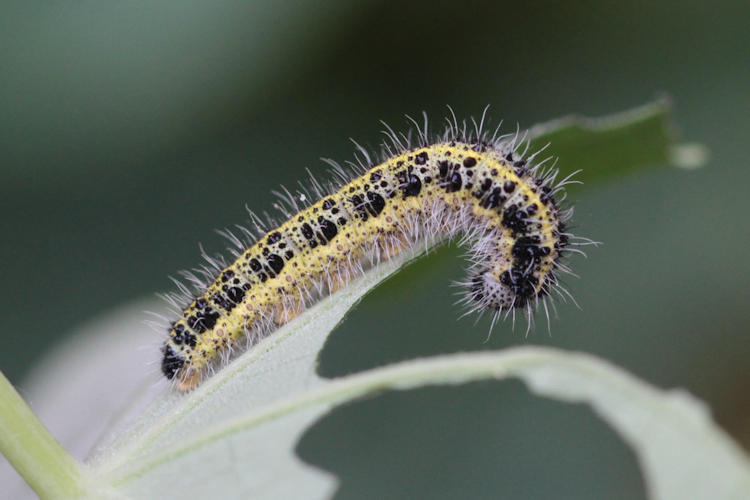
(29, 447)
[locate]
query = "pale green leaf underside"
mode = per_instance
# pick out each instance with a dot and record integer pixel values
(236, 433)
(234, 436)
(682, 453)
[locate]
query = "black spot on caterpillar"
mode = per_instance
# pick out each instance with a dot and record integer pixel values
(466, 181)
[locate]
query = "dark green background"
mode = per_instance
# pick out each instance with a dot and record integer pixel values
(131, 131)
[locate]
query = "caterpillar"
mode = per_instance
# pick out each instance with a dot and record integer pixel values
(465, 181)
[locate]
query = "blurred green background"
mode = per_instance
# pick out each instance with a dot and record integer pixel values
(130, 131)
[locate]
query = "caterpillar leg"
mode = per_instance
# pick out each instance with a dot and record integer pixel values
(339, 279)
(188, 382)
(288, 311)
(391, 246)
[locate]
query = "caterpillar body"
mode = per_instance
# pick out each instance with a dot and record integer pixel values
(466, 181)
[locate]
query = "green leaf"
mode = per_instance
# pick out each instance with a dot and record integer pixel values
(234, 435)
(682, 453)
(606, 148)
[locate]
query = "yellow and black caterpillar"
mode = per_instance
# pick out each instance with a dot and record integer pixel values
(466, 181)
